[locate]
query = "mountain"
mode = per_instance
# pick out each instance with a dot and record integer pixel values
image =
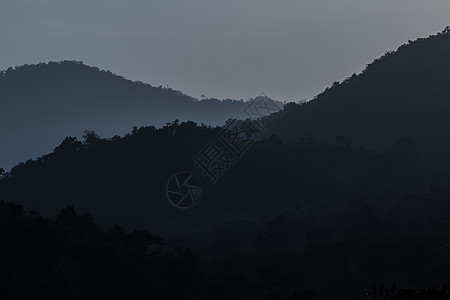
(317, 218)
(289, 216)
(404, 93)
(122, 180)
(41, 104)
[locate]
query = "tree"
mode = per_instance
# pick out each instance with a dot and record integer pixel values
(69, 144)
(90, 137)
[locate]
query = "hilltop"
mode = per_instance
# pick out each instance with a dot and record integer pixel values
(403, 93)
(66, 98)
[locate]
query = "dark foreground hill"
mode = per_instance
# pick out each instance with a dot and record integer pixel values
(41, 104)
(71, 257)
(403, 93)
(291, 218)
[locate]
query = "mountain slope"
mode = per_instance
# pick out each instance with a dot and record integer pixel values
(338, 219)
(41, 104)
(123, 180)
(404, 93)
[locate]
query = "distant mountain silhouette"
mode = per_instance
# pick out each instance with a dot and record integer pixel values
(41, 104)
(404, 93)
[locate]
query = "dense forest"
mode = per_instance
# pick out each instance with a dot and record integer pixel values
(307, 217)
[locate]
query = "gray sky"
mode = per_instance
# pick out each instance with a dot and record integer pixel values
(225, 49)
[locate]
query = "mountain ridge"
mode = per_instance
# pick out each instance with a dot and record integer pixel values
(66, 98)
(402, 93)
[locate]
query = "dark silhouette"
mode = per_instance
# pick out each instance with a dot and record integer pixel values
(403, 93)
(303, 217)
(71, 257)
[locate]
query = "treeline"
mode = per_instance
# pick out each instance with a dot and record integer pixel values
(122, 179)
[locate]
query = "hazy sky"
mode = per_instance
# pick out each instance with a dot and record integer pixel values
(290, 49)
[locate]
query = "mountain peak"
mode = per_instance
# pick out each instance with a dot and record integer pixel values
(66, 98)
(403, 93)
